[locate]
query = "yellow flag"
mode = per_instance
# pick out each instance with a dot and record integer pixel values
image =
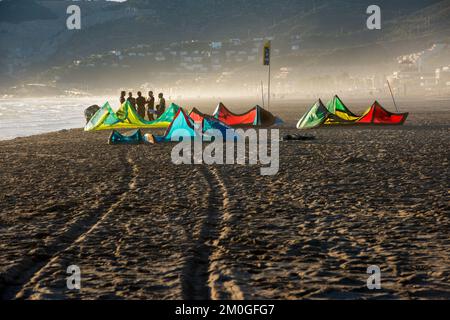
(266, 54)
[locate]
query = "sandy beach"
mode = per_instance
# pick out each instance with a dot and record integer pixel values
(140, 227)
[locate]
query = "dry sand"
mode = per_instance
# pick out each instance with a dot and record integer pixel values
(140, 227)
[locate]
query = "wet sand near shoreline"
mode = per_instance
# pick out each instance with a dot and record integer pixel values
(140, 227)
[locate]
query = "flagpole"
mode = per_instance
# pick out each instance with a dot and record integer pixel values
(262, 93)
(268, 91)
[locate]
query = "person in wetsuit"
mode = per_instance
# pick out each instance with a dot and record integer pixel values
(140, 102)
(131, 100)
(150, 105)
(161, 107)
(122, 97)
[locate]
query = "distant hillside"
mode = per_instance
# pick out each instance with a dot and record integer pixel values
(321, 24)
(432, 22)
(17, 11)
(33, 36)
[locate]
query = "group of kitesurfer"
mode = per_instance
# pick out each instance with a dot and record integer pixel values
(145, 106)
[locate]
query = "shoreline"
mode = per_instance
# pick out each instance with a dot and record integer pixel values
(290, 109)
(39, 134)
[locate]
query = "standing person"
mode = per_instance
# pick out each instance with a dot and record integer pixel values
(150, 105)
(161, 107)
(131, 100)
(122, 97)
(140, 102)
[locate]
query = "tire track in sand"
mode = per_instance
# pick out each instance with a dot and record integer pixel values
(204, 276)
(75, 235)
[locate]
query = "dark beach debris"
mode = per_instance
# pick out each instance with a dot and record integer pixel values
(354, 160)
(298, 137)
(90, 112)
